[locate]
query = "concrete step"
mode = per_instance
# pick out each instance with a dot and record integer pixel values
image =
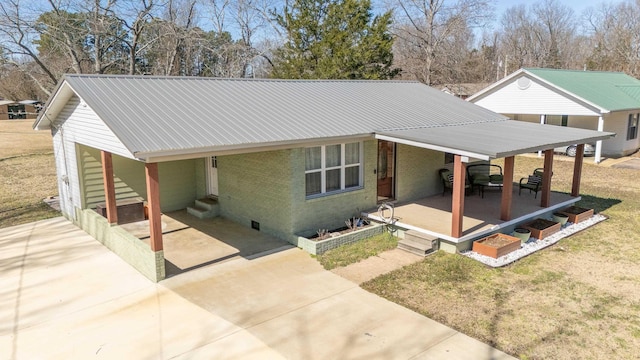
(418, 243)
(200, 213)
(207, 203)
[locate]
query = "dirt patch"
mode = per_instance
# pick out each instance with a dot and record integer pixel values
(629, 164)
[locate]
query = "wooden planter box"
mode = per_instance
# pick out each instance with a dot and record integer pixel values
(541, 228)
(496, 245)
(577, 214)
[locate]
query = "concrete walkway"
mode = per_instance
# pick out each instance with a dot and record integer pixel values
(65, 296)
(375, 266)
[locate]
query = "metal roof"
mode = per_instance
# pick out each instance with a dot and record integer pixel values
(496, 140)
(609, 90)
(160, 117)
(164, 114)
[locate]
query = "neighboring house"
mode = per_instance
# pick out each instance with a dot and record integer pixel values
(287, 157)
(598, 100)
(18, 110)
(464, 90)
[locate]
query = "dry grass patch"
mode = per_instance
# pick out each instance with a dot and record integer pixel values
(27, 173)
(579, 299)
(352, 253)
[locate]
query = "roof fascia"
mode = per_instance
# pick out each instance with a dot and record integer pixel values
(433, 147)
(54, 105)
(482, 93)
(604, 136)
(185, 154)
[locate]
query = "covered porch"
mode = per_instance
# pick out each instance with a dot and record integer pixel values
(432, 215)
(457, 219)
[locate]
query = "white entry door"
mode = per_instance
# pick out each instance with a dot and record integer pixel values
(212, 176)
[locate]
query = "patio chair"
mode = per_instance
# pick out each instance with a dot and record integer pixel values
(484, 175)
(447, 181)
(533, 182)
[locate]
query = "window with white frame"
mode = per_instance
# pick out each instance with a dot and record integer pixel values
(632, 129)
(330, 168)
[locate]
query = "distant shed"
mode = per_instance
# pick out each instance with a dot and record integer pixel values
(17, 110)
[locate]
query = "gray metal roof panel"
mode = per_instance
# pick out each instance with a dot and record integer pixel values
(151, 114)
(500, 138)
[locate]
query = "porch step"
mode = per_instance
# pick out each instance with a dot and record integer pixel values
(207, 203)
(418, 243)
(204, 209)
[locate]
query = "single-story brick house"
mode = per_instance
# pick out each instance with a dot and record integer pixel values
(597, 100)
(286, 157)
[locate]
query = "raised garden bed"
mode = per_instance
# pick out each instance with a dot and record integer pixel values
(577, 214)
(496, 245)
(315, 246)
(541, 228)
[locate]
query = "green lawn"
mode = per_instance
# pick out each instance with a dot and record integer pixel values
(27, 173)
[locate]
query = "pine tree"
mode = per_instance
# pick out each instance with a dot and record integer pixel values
(334, 39)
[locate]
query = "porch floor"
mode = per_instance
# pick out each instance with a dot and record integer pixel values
(433, 214)
(190, 243)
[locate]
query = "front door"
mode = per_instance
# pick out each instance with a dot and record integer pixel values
(212, 176)
(386, 170)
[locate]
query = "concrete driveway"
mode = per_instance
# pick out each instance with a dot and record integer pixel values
(65, 296)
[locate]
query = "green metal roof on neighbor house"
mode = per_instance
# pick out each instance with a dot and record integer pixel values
(159, 117)
(612, 91)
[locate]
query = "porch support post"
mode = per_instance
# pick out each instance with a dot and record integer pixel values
(457, 201)
(543, 119)
(153, 202)
(577, 170)
(599, 142)
(507, 189)
(109, 187)
(545, 199)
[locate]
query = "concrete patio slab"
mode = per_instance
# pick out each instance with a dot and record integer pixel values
(83, 301)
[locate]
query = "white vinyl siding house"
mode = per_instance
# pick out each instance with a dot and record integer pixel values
(602, 101)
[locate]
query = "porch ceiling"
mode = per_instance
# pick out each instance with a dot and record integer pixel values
(493, 140)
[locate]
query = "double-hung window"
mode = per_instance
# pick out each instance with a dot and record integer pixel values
(632, 129)
(330, 168)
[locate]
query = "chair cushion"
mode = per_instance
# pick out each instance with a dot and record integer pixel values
(496, 179)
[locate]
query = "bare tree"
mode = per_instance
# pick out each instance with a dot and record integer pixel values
(615, 37)
(427, 31)
(543, 36)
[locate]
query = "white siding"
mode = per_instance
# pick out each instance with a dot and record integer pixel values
(618, 123)
(67, 171)
(83, 126)
(536, 99)
(79, 125)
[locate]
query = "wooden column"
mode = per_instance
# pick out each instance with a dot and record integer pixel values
(599, 142)
(545, 199)
(577, 170)
(109, 187)
(153, 203)
(507, 189)
(457, 202)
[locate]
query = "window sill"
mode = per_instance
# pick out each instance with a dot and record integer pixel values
(332, 193)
